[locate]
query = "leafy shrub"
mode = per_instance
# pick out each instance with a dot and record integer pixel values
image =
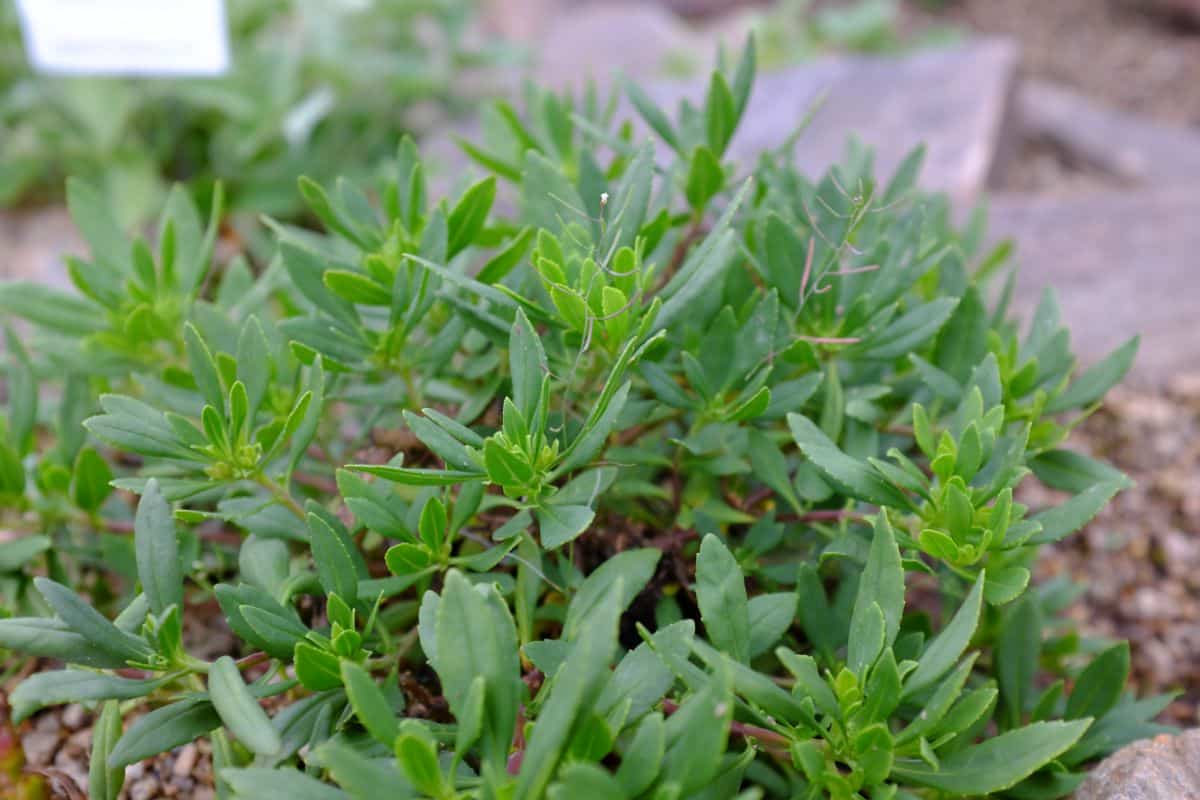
(620, 474)
(314, 86)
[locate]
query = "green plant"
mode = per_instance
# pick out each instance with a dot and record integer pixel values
(315, 86)
(620, 474)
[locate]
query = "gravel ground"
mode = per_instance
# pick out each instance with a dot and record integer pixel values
(1140, 559)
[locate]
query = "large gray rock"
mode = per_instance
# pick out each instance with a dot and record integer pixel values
(1162, 768)
(1122, 263)
(954, 100)
(1128, 146)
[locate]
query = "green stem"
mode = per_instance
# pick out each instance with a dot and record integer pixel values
(281, 494)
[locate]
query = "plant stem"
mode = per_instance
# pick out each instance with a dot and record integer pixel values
(281, 494)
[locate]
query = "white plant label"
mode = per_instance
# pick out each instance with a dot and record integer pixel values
(126, 37)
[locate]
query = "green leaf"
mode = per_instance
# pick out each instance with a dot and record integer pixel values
(164, 729)
(743, 77)
(720, 114)
(22, 395)
(88, 623)
(306, 428)
(354, 287)
(873, 752)
(90, 482)
(527, 365)
(203, 367)
(652, 114)
(907, 333)
(51, 308)
(74, 686)
(1095, 382)
(331, 551)
(633, 568)
(548, 199)
(407, 558)
(585, 781)
(700, 271)
(418, 477)
(1063, 520)
(254, 782)
(17, 553)
(697, 734)
(574, 688)
(1017, 649)
(881, 584)
(595, 432)
(139, 428)
(721, 595)
(317, 669)
(771, 468)
(485, 643)
(1005, 584)
(418, 759)
(640, 763)
(1098, 688)
(705, 178)
(857, 478)
(507, 259)
(468, 217)
(277, 632)
(998, 763)
(1074, 472)
(239, 710)
(105, 782)
(771, 616)
(944, 651)
(52, 638)
(157, 550)
(369, 703)
(558, 525)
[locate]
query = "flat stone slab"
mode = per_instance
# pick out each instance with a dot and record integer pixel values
(1122, 263)
(1126, 145)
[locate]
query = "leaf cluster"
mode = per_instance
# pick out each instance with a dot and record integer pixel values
(619, 472)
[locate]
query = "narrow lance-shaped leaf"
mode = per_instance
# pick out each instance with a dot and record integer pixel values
(239, 710)
(880, 586)
(157, 550)
(105, 782)
(527, 365)
(90, 624)
(945, 650)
